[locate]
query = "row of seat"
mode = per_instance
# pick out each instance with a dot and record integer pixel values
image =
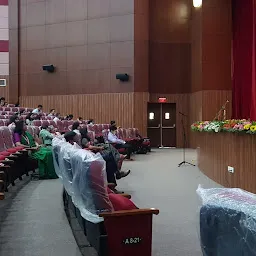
(16, 109)
(14, 161)
(112, 223)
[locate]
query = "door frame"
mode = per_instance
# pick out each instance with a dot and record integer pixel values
(161, 121)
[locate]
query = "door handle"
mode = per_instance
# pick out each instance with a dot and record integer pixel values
(155, 127)
(169, 127)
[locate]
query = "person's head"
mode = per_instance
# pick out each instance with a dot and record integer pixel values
(80, 118)
(84, 134)
(45, 127)
(52, 111)
(91, 121)
(70, 137)
(112, 122)
(2, 101)
(19, 127)
(40, 107)
(113, 129)
(75, 126)
(13, 119)
(70, 117)
(29, 116)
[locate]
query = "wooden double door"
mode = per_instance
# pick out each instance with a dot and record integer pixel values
(162, 124)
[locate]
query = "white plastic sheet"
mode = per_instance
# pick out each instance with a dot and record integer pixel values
(83, 175)
(227, 222)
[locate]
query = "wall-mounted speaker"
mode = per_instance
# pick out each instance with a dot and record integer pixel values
(49, 68)
(122, 77)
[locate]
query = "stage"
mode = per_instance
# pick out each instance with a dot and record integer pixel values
(217, 151)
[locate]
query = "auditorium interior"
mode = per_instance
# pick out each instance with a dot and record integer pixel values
(127, 127)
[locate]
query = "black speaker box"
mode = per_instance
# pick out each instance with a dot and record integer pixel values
(50, 68)
(122, 77)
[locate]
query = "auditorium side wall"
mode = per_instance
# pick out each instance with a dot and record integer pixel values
(165, 46)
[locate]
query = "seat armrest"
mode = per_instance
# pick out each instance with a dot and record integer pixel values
(129, 213)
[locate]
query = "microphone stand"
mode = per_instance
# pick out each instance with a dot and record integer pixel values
(223, 107)
(184, 162)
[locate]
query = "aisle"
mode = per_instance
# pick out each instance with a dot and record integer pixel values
(35, 224)
(156, 181)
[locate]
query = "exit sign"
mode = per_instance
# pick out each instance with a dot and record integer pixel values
(162, 100)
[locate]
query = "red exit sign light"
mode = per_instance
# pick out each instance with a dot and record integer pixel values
(162, 100)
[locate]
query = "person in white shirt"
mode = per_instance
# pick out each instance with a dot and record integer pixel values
(75, 127)
(112, 138)
(57, 117)
(38, 110)
(52, 112)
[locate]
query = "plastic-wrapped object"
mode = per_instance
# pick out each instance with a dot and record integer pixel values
(227, 222)
(84, 178)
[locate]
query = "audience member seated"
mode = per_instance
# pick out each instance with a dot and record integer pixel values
(46, 135)
(52, 112)
(107, 151)
(75, 127)
(43, 155)
(12, 122)
(30, 118)
(38, 110)
(90, 122)
(69, 117)
(112, 138)
(111, 166)
(80, 120)
(57, 117)
(3, 103)
(113, 123)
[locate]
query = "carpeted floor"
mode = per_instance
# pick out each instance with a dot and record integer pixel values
(34, 224)
(156, 181)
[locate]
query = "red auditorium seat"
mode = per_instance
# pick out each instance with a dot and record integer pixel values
(106, 126)
(37, 123)
(91, 135)
(14, 109)
(65, 125)
(60, 126)
(45, 122)
(51, 122)
(125, 232)
(7, 136)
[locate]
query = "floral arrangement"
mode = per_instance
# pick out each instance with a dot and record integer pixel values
(241, 126)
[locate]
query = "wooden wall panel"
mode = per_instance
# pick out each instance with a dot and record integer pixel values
(218, 151)
(141, 45)
(195, 114)
(101, 107)
(169, 49)
(212, 102)
(204, 105)
(141, 100)
(196, 50)
(182, 105)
